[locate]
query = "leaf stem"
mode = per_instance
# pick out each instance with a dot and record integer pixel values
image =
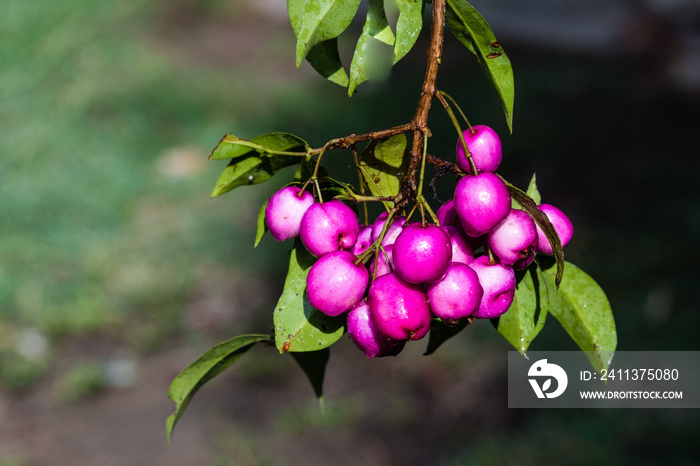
(453, 118)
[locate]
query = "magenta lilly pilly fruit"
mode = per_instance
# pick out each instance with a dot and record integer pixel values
(365, 335)
(392, 232)
(422, 253)
(284, 212)
(562, 224)
(514, 240)
(462, 251)
(335, 284)
(399, 309)
(482, 201)
(329, 227)
(498, 282)
(364, 241)
(457, 295)
(484, 146)
(379, 265)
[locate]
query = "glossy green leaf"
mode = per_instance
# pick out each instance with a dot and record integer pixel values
(313, 363)
(532, 190)
(323, 57)
(208, 366)
(384, 163)
(366, 58)
(248, 170)
(378, 25)
(408, 26)
(298, 326)
(584, 311)
(472, 30)
(440, 333)
(316, 21)
(262, 226)
(276, 143)
(529, 205)
(526, 316)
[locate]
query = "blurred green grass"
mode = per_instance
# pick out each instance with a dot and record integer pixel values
(104, 183)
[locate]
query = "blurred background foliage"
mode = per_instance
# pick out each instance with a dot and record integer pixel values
(117, 270)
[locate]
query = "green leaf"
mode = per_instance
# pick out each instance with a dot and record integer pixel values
(526, 316)
(262, 226)
(584, 312)
(529, 205)
(249, 170)
(276, 143)
(316, 21)
(366, 58)
(208, 366)
(313, 363)
(299, 326)
(384, 163)
(408, 26)
(440, 333)
(472, 30)
(378, 25)
(325, 59)
(532, 190)
(257, 160)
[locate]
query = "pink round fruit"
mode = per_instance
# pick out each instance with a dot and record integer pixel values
(383, 267)
(498, 282)
(335, 284)
(398, 309)
(393, 231)
(457, 295)
(422, 253)
(514, 240)
(461, 249)
(484, 146)
(447, 215)
(562, 224)
(365, 335)
(328, 227)
(482, 202)
(364, 241)
(284, 212)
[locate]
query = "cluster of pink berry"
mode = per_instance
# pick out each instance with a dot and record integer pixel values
(419, 270)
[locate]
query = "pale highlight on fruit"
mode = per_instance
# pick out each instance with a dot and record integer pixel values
(365, 335)
(399, 309)
(335, 283)
(422, 253)
(285, 210)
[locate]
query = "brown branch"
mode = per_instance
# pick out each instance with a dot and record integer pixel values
(444, 165)
(420, 120)
(418, 125)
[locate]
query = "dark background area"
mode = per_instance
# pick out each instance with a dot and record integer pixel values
(117, 270)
